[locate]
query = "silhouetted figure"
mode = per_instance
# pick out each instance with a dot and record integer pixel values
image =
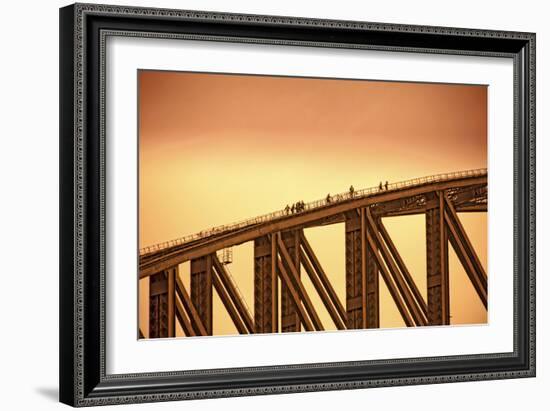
(351, 191)
(328, 198)
(287, 209)
(292, 208)
(380, 186)
(386, 185)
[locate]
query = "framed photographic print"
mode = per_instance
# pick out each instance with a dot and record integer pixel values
(262, 204)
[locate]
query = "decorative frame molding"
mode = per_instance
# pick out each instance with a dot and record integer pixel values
(83, 31)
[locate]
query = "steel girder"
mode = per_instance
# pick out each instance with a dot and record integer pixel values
(201, 290)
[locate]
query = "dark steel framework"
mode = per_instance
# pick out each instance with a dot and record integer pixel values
(83, 379)
(371, 255)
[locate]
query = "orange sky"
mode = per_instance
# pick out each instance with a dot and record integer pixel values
(220, 148)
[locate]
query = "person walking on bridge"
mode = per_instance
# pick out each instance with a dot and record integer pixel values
(380, 186)
(287, 209)
(328, 198)
(292, 208)
(386, 185)
(351, 191)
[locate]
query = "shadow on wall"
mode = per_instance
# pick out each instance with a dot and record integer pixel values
(50, 393)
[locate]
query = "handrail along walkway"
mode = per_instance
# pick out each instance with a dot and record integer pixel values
(337, 198)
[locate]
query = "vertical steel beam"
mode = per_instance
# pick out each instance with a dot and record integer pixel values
(265, 321)
(201, 289)
(290, 321)
(372, 287)
(158, 305)
(437, 264)
(354, 298)
(370, 295)
(171, 278)
(363, 269)
(274, 286)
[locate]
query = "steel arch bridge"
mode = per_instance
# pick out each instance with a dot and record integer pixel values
(281, 251)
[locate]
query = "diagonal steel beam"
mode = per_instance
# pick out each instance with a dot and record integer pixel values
(468, 267)
(239, 304)
(321, 291)
(226, 300)
(401, 265)
(323, 277)
(389, 283)
(475, 277)
(184, 320)
(300, 287)
(466, 242)
(402, 286)
(294, 295)
(190, 307)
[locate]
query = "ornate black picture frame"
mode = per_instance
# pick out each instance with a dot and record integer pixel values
(83, 379)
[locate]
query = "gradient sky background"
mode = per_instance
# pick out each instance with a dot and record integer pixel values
(217, 148)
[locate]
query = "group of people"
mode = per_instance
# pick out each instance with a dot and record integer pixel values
(296, 208)
(328, 198)
(300, 206)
